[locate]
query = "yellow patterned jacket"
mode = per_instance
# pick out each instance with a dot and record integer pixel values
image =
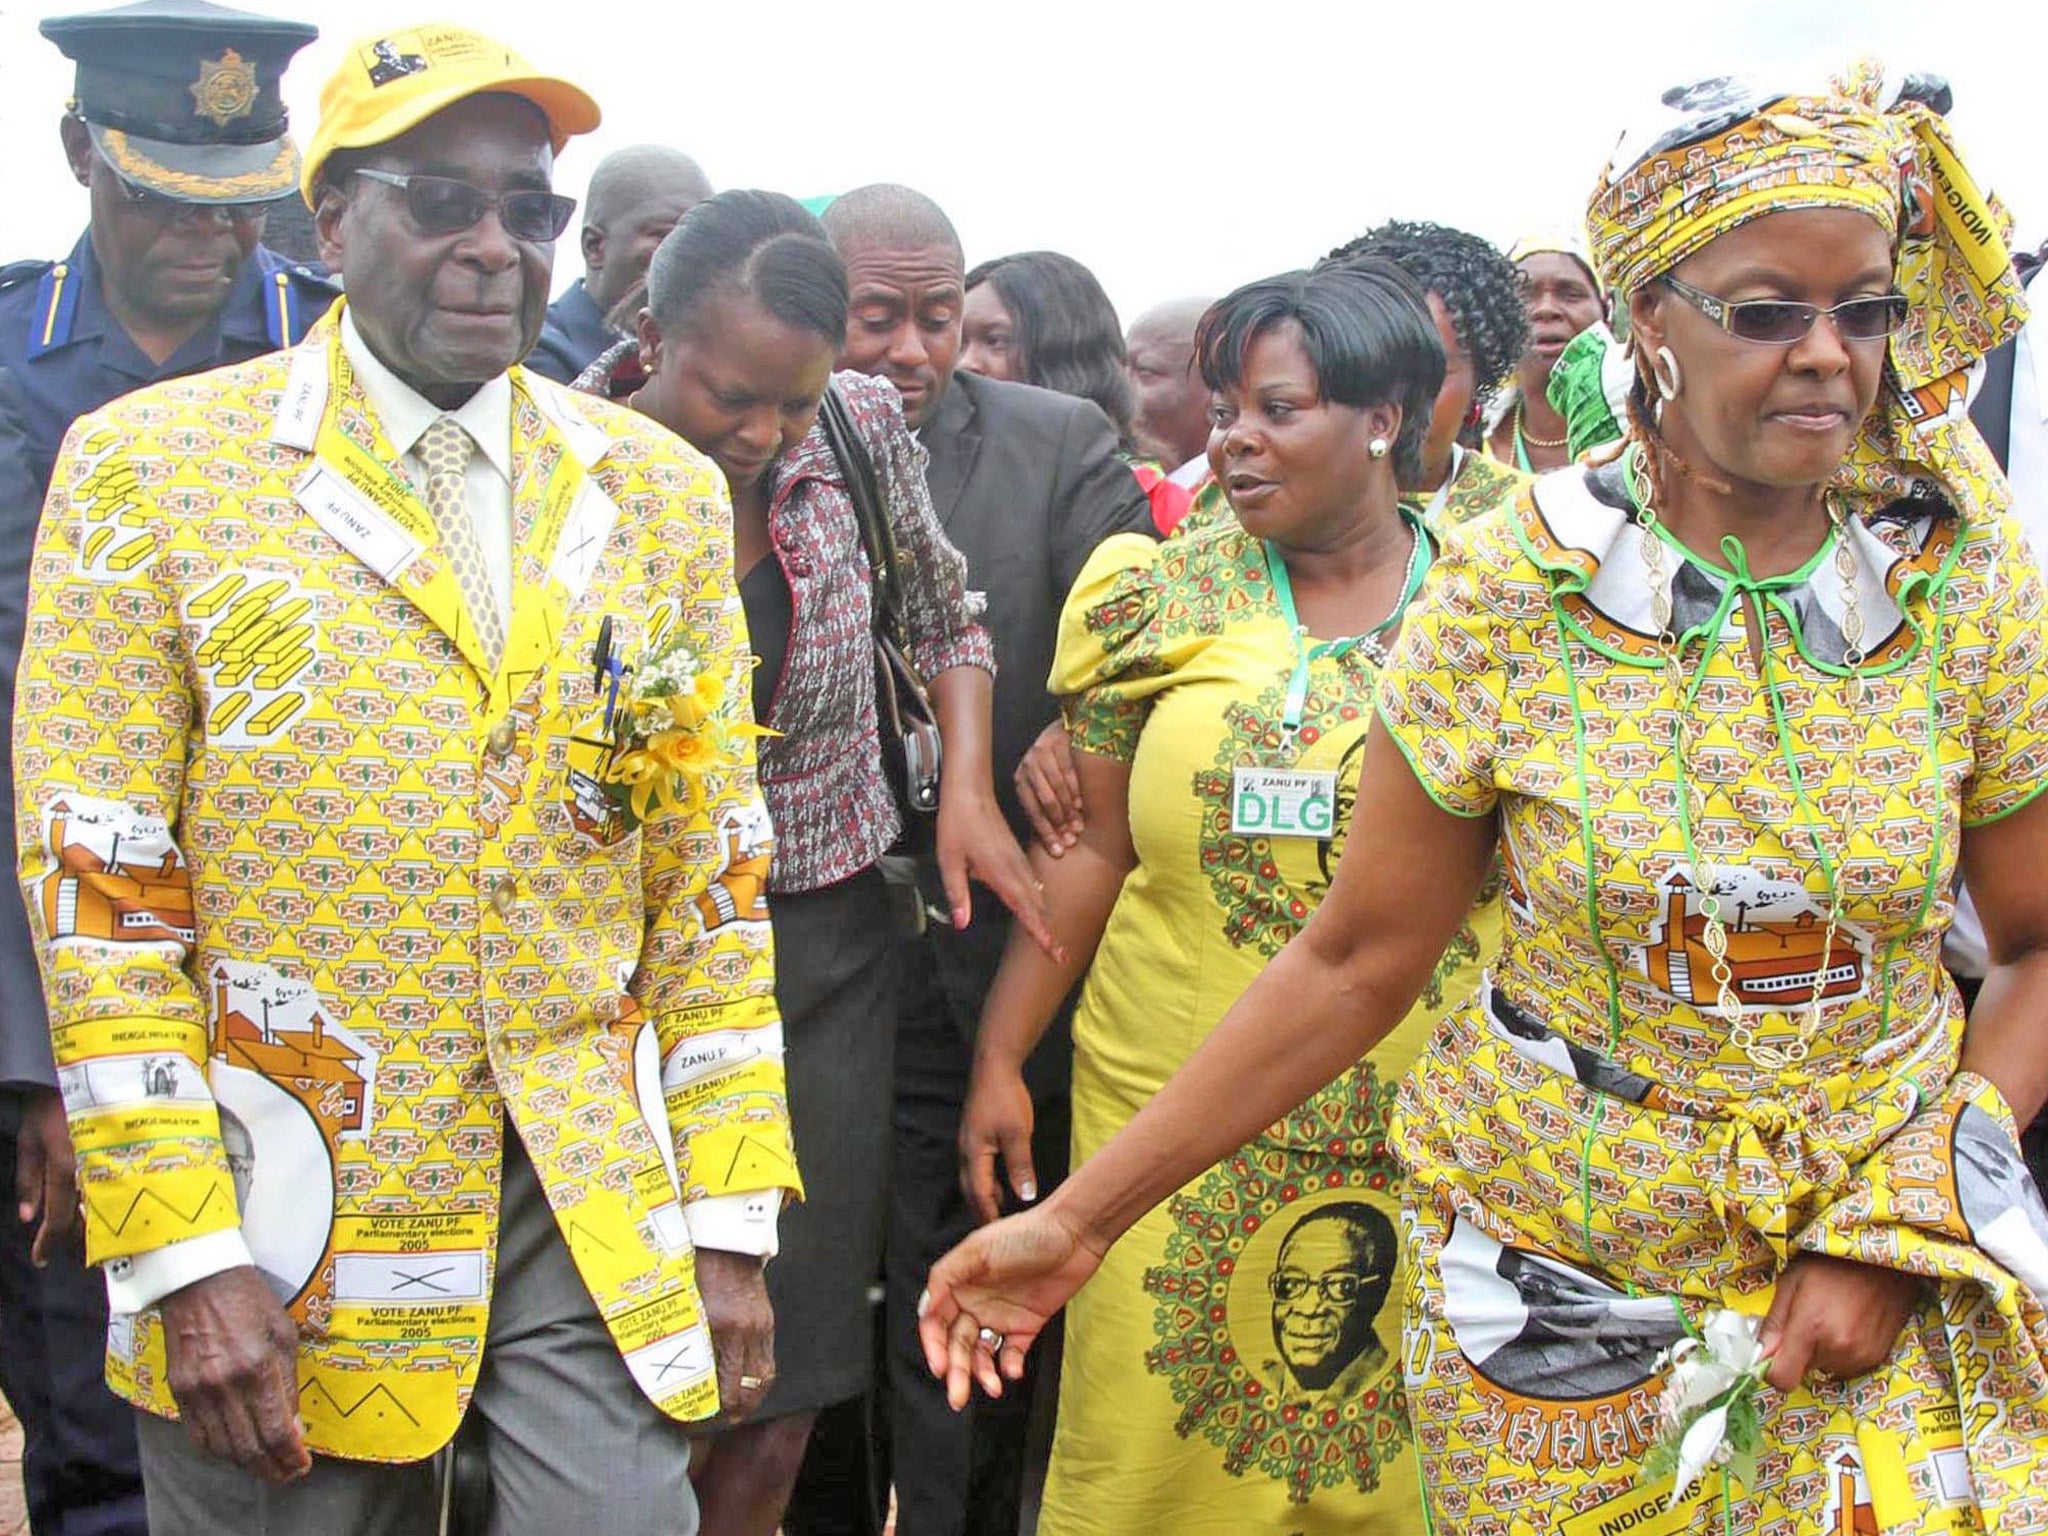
(321, 900)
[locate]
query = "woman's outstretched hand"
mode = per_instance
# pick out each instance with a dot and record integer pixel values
(1009, 1279)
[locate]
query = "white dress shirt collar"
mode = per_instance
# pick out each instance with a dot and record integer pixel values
(405, 414)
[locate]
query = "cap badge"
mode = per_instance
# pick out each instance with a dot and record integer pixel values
(225, 89)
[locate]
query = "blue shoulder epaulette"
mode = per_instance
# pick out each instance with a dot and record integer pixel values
(55, 307)
(294, 296)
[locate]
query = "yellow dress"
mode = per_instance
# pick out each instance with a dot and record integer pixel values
(1594, 1164)
(1234, 1368)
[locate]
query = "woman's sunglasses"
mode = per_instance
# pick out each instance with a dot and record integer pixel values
(1781, 322)
(441, 205)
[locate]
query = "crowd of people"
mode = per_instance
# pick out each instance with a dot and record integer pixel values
(818, 880)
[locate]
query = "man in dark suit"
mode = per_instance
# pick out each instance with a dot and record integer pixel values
(636, 196)
(1026, 483)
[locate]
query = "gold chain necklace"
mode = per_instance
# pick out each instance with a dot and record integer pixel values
(1522, 431)
(1771, 1058)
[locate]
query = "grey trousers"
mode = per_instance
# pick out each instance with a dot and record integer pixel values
(573, 1444)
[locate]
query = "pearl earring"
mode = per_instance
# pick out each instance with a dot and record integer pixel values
(1377, 447)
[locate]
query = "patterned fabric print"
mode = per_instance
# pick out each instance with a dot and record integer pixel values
(834, 812)
(444, 452)
(300, 976)
(1593, 1163)
(1479, 484)
(1721, 153)
(1258, 1301)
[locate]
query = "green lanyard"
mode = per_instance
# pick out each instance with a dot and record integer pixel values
(1304, 653)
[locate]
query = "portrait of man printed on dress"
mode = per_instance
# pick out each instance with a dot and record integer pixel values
(1541, 1328)
(240, 1147)
(1328, 1285)
(1532, 1038)
(1999, 1199)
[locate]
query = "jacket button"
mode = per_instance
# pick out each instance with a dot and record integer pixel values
(502, 738)
(505, 895)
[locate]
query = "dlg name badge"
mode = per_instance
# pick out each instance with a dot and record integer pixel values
(1282, 802)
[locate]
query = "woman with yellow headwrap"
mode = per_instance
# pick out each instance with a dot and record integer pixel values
(1715, 1213)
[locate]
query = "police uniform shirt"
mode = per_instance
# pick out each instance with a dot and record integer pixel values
(72, 356)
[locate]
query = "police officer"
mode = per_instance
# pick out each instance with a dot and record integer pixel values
(177, 131)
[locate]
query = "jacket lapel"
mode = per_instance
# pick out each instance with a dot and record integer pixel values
(952, 438)
(554, 556)
(380, 518)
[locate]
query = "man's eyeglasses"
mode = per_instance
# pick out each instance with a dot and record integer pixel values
(158, 209)
(1338, 1287)
(1781, 322)
(441, 205)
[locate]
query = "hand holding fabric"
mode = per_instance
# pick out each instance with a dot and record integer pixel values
(1834, 1315)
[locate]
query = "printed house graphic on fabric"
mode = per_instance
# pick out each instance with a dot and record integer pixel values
(740, 892)
(290, 1050)
(1772, 957)
(118, 881)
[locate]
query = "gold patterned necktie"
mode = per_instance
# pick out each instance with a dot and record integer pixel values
(444, 451)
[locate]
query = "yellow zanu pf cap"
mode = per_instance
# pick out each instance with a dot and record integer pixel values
(396, 81)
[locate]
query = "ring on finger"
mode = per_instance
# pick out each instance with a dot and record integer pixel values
(989, 1339)
(752, 1383)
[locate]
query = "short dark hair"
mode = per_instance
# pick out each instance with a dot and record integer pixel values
(1366, 328)
(891, 216)
(1068, 334)
(1480, 287)
(761, 245)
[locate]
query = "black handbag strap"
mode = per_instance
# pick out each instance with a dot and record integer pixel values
(877, 537)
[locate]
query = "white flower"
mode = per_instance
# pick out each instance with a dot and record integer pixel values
(1701, 1371)
(1698, 1451)
(1731, 1339)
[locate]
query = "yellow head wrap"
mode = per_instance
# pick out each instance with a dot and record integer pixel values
(1723, 153)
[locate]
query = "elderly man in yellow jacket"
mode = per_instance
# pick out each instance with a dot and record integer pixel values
(381, 754)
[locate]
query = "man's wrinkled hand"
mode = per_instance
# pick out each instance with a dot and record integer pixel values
(742, 1323)
(46, 1175)
(232, 1354)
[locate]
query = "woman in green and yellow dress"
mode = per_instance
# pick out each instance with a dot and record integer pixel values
(1236, 1368)
(1717, 1216)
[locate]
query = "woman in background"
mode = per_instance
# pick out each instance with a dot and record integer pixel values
(746, 309)
(1475, 298)
(1041, 318)
(1563, 298)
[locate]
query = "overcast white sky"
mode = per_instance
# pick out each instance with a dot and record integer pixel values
(1175, 146)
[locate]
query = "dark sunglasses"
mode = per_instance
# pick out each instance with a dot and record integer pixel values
(1781, 322)
(441, 205)
(158, 209)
